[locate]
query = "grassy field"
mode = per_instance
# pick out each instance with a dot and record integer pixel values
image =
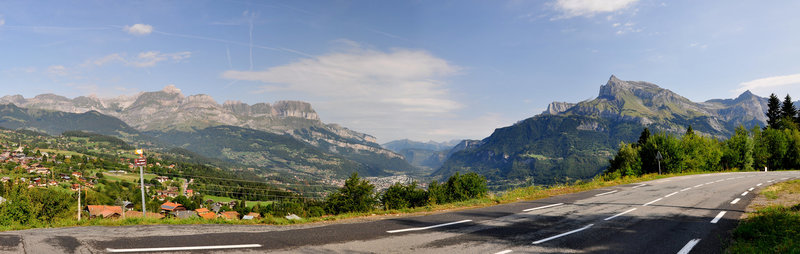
(227, 199)
(64, 152)
(127, 177)
(775, 226)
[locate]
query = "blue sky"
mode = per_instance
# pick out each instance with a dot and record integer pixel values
(425, 70)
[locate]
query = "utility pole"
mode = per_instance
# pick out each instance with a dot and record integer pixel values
(79, 202)
(141, 161)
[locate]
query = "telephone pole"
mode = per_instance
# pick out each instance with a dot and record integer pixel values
(141, 161)
(79, 202)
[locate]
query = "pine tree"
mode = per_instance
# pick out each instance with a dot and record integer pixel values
(773, 111)
(643, 137)
(787, 109)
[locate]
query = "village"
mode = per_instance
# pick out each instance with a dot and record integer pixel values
(84, 174)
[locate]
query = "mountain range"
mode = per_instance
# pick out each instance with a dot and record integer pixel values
(286, 136)
(570, 141)
(287, 140)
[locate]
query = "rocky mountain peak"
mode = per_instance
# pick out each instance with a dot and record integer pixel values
(557, 107)
(295, 109)
(615, 88)
(171, 89)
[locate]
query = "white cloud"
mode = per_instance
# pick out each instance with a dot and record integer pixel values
(2, 20)
(57, 70)
(143, 59)
(151, 58)
(588, 8)
(139, 29)
(384, 93)
(771, 84)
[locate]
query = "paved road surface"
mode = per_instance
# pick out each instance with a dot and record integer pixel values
(687, 214)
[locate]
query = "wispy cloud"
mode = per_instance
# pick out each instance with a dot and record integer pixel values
(589, 8)
(628, 27)
(57, 70)
(2, 20)
(139, 29)
(770, 84)
(143, 59)
(698, 45)
(362, 87)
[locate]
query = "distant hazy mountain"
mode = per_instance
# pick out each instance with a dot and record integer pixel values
(426, 155)
(399, 145)
(170, 111)
(575, 140)
(55, 122)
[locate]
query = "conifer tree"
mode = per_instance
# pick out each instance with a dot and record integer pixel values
(787, 109)
(773, 111)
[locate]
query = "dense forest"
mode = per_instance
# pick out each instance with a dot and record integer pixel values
(774, 147)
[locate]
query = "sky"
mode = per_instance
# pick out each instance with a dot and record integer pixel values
(423, 70)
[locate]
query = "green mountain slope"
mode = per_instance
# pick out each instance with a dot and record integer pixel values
(55, 122)
(264, 151)
(574, 141)
(547, 149)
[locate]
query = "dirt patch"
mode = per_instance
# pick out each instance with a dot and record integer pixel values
(783, 194)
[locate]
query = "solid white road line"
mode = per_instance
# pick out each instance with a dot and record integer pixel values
(428, 227)
(671, 194)
(687, 189)
(688, 247)
(735, 201)
(620, 214)
(759, 184)
(698, 185)
(605, 193)
(751, 189)
(541, 207)
(652, 202)
(770, 181)
(564, 234)
(215, 247)
(505, 252)
(745, 193)
(634, 187)
(719, 216)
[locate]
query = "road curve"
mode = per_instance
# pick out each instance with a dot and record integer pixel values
(686, 214)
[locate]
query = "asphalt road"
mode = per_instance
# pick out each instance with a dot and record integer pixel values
(693, 214)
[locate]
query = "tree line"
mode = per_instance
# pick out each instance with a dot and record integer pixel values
(775, 146)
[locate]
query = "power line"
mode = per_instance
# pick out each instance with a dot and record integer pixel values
(238, 180)
(253, 194)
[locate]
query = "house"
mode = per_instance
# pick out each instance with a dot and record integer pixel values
(189, 193)
(77, 174)
(167, 193)
(75, 187)
(42, 171)
(104, 211)
(251, 216)
(229, 215)
(133, 214)
(5, 179)
(205, 213)
(171, 208)
(162, 179)
(185, 214)
(52, 183)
